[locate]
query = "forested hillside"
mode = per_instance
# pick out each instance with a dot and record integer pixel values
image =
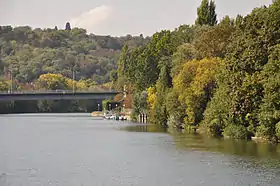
(222, 77)
(28, 53)
(49, 59)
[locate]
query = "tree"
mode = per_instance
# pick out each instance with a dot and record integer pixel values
(185, 52)
(68, 26)
(140, 65)
(53, 82)
(194, 86)
(238, 20)
(206, 13)
(213, 41)
(159, 115)
(212, 14)
(113, 75)
(270, 108)
(139, 104)
(3, 85)
(203, 13)
(244, 105)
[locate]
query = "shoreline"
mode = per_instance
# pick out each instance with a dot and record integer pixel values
(101, 114)
(198, 130)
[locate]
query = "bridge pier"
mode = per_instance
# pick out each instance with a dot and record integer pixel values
(143, 118)
(140, 118)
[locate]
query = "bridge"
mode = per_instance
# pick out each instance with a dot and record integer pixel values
(57, 95)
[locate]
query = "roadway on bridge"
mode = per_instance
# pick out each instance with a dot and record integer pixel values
(57, 95)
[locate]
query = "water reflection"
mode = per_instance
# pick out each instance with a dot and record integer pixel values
(144, 128)
(263, 153)
(69, 151)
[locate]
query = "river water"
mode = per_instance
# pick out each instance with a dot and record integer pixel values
(79, 150)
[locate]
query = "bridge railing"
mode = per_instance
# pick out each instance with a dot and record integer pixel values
(57, 91)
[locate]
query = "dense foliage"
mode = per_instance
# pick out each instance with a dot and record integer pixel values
(221, 78)
(36, 59)
(27, 53)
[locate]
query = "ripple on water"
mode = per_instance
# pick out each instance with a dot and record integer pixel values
(79, 150)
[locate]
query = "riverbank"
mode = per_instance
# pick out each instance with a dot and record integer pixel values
(97, 114)
(193, 130)
(125, 114)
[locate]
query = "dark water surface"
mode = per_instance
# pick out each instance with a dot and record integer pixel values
(78, 150)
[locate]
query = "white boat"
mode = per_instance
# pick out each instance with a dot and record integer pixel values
(113, 117)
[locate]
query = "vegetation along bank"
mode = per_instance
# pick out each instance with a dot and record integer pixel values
(221, 77)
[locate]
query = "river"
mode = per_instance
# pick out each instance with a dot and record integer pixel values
(79, 150)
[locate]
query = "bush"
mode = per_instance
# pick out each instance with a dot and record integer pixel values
(277, 130)
(216, 127)
(236, 131)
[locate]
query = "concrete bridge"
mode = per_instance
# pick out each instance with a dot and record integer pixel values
(58, 95)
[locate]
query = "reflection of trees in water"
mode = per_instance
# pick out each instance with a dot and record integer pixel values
(244, 152)
(144, 128)
(259, 152)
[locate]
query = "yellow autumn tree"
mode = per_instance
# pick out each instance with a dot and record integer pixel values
(151, 97)
(194, 85)
(4, 86)
(81, 85)
(53, 82)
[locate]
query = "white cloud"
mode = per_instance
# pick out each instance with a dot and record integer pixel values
(89, 20)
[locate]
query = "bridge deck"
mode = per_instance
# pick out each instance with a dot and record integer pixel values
(57, 95)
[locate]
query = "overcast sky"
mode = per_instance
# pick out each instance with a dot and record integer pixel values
(115, 17)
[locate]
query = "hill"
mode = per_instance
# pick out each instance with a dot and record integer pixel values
(29, 53)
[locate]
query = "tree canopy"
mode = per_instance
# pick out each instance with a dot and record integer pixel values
(29, 53)
(206, 13)
(220, 77)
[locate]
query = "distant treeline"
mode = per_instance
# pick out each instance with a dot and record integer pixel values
(27, 53)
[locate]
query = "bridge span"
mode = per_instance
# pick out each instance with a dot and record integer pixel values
(57, 95)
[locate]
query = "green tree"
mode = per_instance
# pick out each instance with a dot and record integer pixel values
(213, 41)
(113, 76)
(160, 115)
(139, 104)
(203, 13)
(238, 21)
(206, 13)
(212, 14)
(185, 52)
(270, 108)
(245, 80)
(68, 26)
